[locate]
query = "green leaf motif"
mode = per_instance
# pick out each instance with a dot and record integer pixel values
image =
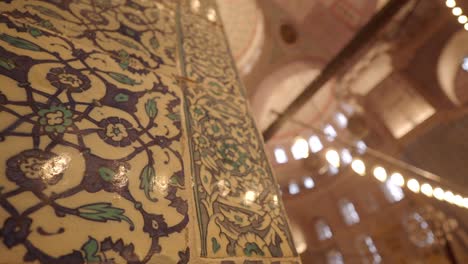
(35, 32)
(147, 177)
(7, 63)
(90, 249)
(121, 97)
(174, 116)
(19, 42)
(215, 245)
(106, 174)
(154, 43)
(122, 78)
(102, 212)
(151, 108)
(46, 11)
(251, 248)
(127, 43)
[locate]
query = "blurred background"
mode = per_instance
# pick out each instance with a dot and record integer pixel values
(362, 105)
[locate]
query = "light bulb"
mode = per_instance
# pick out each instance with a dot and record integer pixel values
(333, 158)
(458, 200)
(457, 11)
(449, 197)
(426, 189)
(380, 173)
(397, 179)
(462, 19)
(413, 185)
(466, 27)
(359, 167)
(439, 193)
(450, 3)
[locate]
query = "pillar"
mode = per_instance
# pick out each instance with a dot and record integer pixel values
(125, 136)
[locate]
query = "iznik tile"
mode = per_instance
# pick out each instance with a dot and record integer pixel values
(125, 138)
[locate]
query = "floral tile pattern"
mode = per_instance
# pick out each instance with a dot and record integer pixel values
(97, 162)
(239, 213)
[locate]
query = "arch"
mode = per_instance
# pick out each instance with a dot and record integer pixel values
(449, 63)
(244, 24)
(282, 86)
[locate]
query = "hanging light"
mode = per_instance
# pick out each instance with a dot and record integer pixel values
(449, 197)
(465, 202)
(466, 27)
(359, 167)
(380, 173)
(462, 19)
(300, 149)
(458, 199)
(333, 158)
(397, 179)
(450, 3)
(439, 193)
(413, 185)
(457, 11)
(426, 189)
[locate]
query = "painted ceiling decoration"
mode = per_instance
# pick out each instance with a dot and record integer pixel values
(125, 138)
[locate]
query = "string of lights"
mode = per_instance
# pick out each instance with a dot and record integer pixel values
(458, 12)
(420, 181)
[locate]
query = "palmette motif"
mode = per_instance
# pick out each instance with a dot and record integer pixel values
(96, 161)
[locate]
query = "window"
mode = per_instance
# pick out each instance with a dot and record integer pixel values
(334, 257)
(330, 132)
(465, 64)
(309, 182)
(349, 212)
(300, 149)
(341, 120)
(315, 144)
(418, 230)
(323, 230)
(280, 156)
(368, 250)
(294, 188)
(361, 147)
(393, 192)
(346, 156)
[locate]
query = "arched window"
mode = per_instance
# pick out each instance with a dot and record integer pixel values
(418, 230)
(293, 188)
(309, 182)
(393, 192)
(280, 156)
(315, 144)
(368, 250)
(323, 230)
(349, 212)
(334, 257)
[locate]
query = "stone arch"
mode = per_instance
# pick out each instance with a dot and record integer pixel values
(449, 63)
(280, 88)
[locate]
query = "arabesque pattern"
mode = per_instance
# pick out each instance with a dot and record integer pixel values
(96, 161)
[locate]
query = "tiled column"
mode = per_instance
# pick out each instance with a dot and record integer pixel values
(125, 136)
